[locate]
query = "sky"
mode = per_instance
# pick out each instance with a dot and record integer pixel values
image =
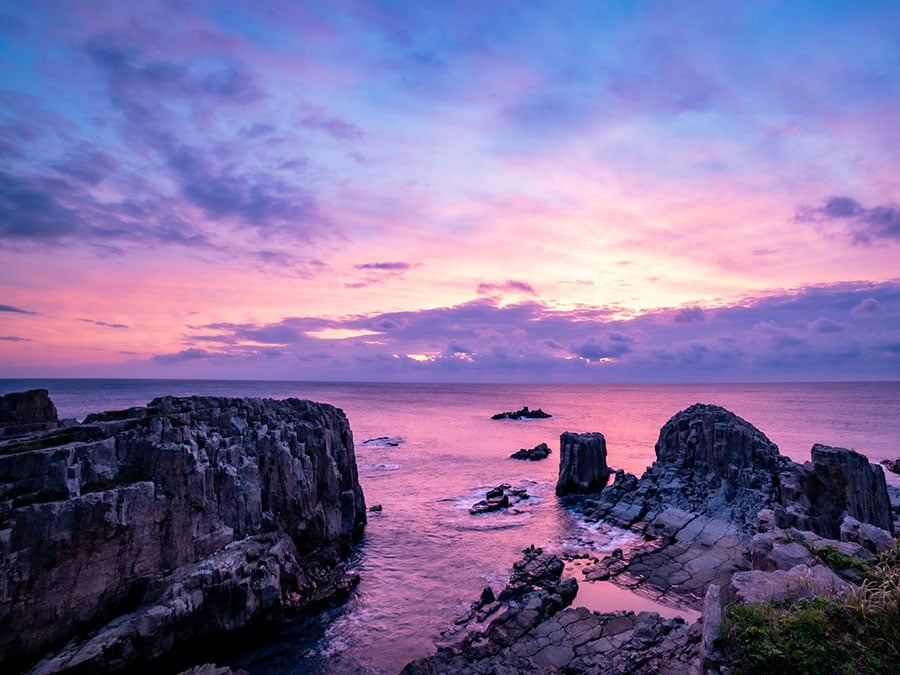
(468, 191)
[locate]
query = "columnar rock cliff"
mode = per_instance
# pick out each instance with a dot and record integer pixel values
(126, 537)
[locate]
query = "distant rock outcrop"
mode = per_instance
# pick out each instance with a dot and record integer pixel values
(538, 452)
(26, 412)
(582, 463)
(137, 532)
(523, 413)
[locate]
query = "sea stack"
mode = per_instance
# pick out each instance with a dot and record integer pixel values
(582, 463)
(156, 526)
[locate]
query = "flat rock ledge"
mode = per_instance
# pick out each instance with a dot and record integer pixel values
(138, 533)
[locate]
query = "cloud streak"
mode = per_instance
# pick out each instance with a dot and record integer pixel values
(861, 224)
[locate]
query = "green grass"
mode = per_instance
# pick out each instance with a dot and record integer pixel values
(858, 633)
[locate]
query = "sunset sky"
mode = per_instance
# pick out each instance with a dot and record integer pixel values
(450, 191)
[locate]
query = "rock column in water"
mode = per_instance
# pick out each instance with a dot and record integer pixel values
(582, 463)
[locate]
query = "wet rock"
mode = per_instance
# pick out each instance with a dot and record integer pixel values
(538, 452)
(523, 413)
(582, 463)
(376, 508)
(533, 632)
(160, 525)
(892, 465)
(500, 497)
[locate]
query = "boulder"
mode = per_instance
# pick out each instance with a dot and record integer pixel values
(538, 452)
(500, 497)
(837, 483)
(29, 411)
(157, 526)
(582, 463)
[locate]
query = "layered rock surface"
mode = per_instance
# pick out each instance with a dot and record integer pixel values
(126, 537)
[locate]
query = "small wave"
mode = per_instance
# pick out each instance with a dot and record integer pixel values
(383, 442)
(368, 468)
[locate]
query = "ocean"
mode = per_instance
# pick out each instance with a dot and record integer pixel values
(424, 558)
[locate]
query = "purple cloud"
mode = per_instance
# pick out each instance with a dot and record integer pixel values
(389, 266)
(15, 310)
(864, 225)
(331, 125)
(771, 337)
(690, 315)
(597, 348)
(13, 338)
(508, 285)
(190, 354)
(867, 307)
(103, 324)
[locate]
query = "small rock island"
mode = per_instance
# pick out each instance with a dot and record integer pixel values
(522, 414)
(131, 536)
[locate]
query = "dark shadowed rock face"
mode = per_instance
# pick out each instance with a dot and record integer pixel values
(24, 412)
(582, 463)
(837, 483)
(154, 526)
(716, 443)
(538, 452)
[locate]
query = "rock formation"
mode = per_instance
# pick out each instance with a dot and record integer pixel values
(27, 412)
(582, 463)
(529, 629)
(127, 537)
(717, 510)
(523, 413)
(837, 483)
(538, 452)
(501, 497)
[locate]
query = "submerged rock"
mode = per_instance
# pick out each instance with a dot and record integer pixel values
(156, 526)
(538, 452)
(523, 413)
(582, 463)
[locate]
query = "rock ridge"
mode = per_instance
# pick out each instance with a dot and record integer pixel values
(126, 537)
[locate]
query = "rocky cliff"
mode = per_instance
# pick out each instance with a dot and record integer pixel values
(124, 538)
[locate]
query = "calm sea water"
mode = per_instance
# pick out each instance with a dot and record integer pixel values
(424, 558)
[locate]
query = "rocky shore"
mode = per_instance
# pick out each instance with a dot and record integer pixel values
(724, 518)
(131, 536)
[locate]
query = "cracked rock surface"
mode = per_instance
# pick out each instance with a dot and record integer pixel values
(126, 538)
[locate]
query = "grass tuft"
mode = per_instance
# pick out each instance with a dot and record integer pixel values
(856, 633)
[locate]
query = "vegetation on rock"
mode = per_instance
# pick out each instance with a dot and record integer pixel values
(853, 633)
